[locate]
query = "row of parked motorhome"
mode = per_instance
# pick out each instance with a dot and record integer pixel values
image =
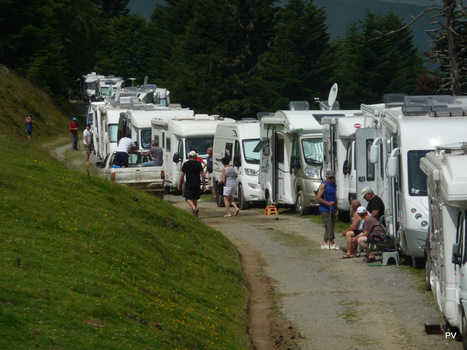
(393, 147)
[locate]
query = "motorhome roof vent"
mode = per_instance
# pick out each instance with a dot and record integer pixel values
(148, 87)
(175, 105)
(394, 99)
(299, 106)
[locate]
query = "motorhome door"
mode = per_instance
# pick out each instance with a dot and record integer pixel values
(366, 171)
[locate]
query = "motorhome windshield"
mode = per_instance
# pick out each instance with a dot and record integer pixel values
(248, 150)
(416, 177)
(113, 132)
(313, 151)
(146, 138)
(200, 144)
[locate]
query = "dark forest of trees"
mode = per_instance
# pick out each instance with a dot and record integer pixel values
(230, 57)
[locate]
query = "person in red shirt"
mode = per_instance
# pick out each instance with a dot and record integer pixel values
(74, 133)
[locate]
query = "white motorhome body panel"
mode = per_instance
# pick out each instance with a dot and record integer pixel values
(446, 171)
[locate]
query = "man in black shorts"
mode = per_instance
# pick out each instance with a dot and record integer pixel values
(193, 171)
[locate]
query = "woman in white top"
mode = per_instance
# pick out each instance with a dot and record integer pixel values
(229, 180)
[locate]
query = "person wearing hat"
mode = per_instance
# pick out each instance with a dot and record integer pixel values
(328, 209)
(29, 126)
(193, 174)
(375, 205)
(372, 232)
(354, 229)
(74, 133)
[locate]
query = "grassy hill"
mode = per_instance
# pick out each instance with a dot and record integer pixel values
(87, 264)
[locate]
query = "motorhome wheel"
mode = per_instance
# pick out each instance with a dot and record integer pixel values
(242, 202)
(300, 208)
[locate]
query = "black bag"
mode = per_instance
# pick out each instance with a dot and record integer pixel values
(220, 189)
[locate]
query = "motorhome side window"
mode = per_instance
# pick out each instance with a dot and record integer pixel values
(237, 148)
(313, 151)
(145, 138)
(113, 132)
(349, 155)
(180, 149)
(167, 144)
(416, 177)
(228, 150)
(280, 150)
(370, 167)
(460, 239)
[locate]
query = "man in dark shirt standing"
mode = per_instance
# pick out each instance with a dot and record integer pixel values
(375, 205)
(193, 171)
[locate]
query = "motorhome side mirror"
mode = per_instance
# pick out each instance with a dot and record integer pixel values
(237, 161)
(176, 157)
(346, 168)
(456, 255)
(374, 154)
(266, 150)
(393, 166)
(295, 162)
(99, 165)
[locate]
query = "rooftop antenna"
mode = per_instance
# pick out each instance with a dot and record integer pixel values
(132, 81)
(145, 80)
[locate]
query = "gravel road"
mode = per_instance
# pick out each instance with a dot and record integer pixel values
(332, 303)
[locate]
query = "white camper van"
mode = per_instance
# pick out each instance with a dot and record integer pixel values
(291, 161)
(446, 247)
(178, 136)
(238, 140)
(402, 136)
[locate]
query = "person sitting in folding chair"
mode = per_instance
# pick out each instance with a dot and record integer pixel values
(372, 232)
(354, 229)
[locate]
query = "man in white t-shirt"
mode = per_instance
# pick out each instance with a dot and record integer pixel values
(125, 145)
(87, 142)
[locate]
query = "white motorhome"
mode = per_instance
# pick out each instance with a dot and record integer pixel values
(179, 135)
(108, 136)
(291, 161)
(391, 154)
(339, 155)
(238, 140)
(89, 85)
(446, 247)
(108, 85)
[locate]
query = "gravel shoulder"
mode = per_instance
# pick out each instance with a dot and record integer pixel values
(320, 300)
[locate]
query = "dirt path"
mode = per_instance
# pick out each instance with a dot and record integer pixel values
(325, 302)
(305, 298)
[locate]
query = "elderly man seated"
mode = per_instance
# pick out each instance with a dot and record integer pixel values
(372, 232)
(354, 229)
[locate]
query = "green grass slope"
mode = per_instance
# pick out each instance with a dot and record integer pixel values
(87, 264)
(18, 97)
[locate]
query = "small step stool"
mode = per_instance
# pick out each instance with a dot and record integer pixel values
(271, 209)
(389, 255)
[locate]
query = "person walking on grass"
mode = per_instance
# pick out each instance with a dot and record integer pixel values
(229, 180)
(192, 172)
(29, 126)
(328, 208)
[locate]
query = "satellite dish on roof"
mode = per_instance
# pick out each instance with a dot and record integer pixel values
(332, 95)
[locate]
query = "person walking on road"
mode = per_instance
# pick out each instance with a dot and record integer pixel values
(229, 180)
(328, 208)
(87, 142)
(192, 172)
(74, 133)
(29, 126)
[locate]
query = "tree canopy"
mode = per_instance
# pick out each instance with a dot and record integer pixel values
(231, 57)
